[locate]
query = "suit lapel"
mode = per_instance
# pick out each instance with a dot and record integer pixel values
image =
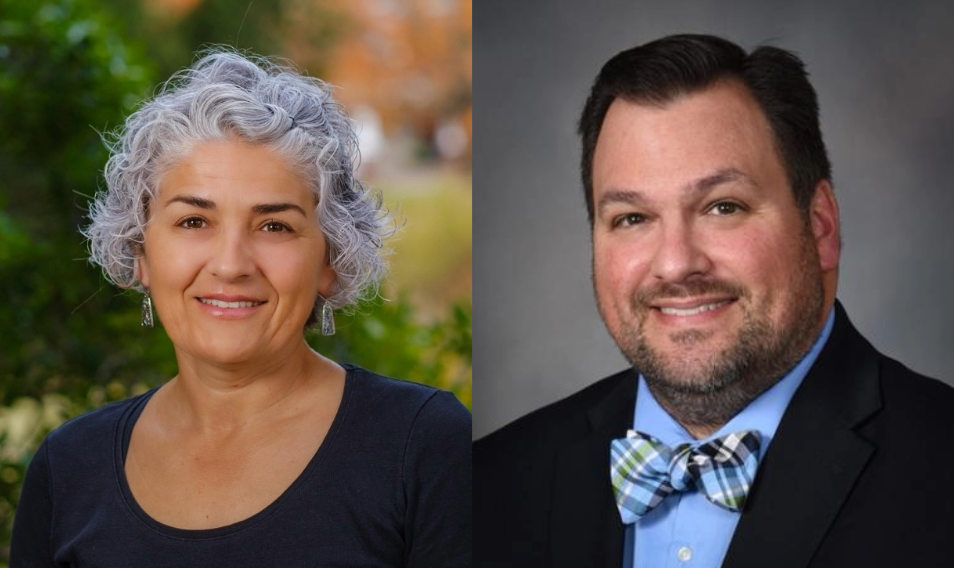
(815, 458)
(585, 528)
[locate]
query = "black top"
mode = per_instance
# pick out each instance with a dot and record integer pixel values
(389, 486)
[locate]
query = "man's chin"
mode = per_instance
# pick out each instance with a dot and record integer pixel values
(687, 362)
(695, 347)
(691, 339)
(687, 382)
(683, 369)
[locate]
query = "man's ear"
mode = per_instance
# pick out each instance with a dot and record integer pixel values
(826, 225)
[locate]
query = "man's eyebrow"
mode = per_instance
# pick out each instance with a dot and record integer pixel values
(193, 200)
(693, 189)
(710, 182)
(625, 196)
(266, 208)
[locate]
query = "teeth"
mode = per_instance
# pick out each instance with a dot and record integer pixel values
(685, 312)
(220, 304)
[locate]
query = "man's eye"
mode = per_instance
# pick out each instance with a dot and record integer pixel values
(628, 220)
(725, 208)
(192, 223)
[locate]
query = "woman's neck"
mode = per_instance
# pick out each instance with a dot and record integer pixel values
(229, 398)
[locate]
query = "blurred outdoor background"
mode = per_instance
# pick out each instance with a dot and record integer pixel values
(72, 69)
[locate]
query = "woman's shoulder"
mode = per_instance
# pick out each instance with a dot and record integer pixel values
(96, 425)
(384, 396)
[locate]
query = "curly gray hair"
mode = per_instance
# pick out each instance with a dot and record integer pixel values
(226, 95)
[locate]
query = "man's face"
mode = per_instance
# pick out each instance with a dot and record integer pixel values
(706, 272)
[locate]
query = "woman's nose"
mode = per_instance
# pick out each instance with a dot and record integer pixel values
(232, 256)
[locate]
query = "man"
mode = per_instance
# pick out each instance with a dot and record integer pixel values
(756, 427)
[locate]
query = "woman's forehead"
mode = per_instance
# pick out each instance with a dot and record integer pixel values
(232, 171)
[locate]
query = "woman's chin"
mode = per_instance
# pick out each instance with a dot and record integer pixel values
(228, 354)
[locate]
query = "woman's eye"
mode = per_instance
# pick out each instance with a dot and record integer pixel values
(628, 220)
(726, 208)
(276, 227)
(192, 223)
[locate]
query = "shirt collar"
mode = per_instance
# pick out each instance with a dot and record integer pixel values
(762, 414)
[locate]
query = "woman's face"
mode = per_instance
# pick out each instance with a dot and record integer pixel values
(233, 256)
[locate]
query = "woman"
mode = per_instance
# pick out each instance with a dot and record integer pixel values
(232, 204)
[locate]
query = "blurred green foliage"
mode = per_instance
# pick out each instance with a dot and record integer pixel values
(72, 341)
(386, 337)
(170, 43)
(65, 74)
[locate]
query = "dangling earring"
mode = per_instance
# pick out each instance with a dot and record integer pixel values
(327, 318)
(147, 310)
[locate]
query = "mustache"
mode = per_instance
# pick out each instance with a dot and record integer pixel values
(688, 289)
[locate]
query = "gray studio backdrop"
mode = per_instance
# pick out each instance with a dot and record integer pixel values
(885, 78)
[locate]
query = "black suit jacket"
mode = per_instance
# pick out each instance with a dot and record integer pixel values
(860, 473)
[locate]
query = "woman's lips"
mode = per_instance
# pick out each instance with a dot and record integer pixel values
(230, 305)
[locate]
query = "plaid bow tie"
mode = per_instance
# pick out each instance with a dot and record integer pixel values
(645, 471)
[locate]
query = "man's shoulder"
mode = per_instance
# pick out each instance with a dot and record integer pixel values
(545, 429)
(916, 398)
(897, 403)
(514, 469)
(866, 385)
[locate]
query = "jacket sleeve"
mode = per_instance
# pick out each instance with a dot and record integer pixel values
(437, 481)
(30, 545)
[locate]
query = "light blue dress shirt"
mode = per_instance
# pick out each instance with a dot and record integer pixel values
(686, 530)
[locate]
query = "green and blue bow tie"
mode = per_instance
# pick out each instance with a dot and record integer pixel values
(644, 471)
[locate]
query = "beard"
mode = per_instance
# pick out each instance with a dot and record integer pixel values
(704, 390)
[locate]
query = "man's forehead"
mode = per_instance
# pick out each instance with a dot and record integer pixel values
(727, 96)
(709, 133)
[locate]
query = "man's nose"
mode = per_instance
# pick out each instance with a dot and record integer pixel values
(679, 253)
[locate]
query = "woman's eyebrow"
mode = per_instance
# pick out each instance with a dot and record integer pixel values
(261, 209)
(192, 200)
(267, 208)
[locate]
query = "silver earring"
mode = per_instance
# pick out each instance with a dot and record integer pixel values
(147, 320)
(327, 318)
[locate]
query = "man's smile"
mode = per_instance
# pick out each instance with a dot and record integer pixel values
(693, 308)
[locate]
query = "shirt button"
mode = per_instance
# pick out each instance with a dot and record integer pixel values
(684, 554)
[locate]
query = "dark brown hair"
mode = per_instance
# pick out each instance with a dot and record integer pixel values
(657, 72)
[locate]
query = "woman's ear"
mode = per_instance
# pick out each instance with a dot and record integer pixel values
(328, 277)
(327, 281)
(142, 271)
